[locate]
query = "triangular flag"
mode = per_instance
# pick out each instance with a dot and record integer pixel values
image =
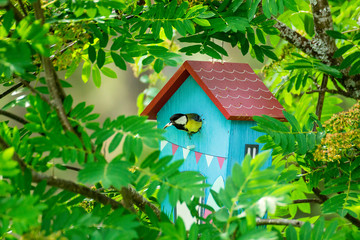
(197, 156)
(163, 144)
(209, 159)
(221, 161)
(185, 152)
(174, 148)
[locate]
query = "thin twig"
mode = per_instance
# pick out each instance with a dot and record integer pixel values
(10, 90)
(308, 200)
(323, 91)
(36, 92)
(52, 81)
(321, 98)
(13, 116)
(22, 7)
(286, 222)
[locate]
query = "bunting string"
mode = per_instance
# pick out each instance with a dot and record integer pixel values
(198, 155)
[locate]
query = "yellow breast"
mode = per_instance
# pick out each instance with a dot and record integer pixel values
(193, 126)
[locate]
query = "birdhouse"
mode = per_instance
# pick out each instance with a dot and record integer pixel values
(226, 96)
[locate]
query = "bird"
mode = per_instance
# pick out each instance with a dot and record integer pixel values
(190, 122)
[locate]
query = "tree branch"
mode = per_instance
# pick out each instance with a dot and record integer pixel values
(295, 38)
(286, 222)
(55, 89)
(13, 116)
(139, 200)
(323, 91)
(321, 98)
(10, 90)
(22, 7)
(128, 193)
(75, 188)
(322, 23)
(36, 92)
(308, 200)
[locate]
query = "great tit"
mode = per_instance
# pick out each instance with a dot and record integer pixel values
(191, 122)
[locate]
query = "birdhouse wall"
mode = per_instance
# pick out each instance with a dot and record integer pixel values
(240, 135)
(207, 150)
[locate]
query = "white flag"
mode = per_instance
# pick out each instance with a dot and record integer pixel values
(209, 159)
(185, 152)
(163, 144)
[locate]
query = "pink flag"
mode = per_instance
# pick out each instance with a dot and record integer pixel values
(206, 213)
(221, 161)
(174, 148)
(197, 156)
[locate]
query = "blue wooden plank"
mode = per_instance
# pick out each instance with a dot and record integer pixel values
(241, 134)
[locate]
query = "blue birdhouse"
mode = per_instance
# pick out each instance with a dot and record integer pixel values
(226, 96)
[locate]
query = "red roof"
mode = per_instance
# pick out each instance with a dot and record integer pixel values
(234, 88)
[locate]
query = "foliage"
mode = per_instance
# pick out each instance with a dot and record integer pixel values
(121, 181)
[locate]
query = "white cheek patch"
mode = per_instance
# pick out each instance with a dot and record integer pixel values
(181, 120)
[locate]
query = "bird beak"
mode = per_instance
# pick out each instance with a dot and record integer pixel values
(168, 125)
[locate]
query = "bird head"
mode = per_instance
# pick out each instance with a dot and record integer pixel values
(190, 122)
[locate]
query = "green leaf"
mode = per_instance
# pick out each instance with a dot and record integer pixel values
(342, 50)
(104, 40)
(180, 27)
(305, 231)
(86, 71)
(355, 69)
(158, 66)
(202, 22)
(189, 26)
(108, 72)
(291, 233)
(147, 61)
(253, 7)
(115, 142)
(92, 53)
(349, 60)
(291, 4)
(96, 76)
(222, 215)
(269, 54)
(266, 9)
(309, 25)
(194, 231)
(273, 7)
(100, 58)
(118, 42)
(280, 5)
(211, 52)
(115, 173)
(118, 60)
(260, 36)
(217, 48)
(191, 49)
(330, 230)
(258, 53)
(244, 45)
(336, 34)
(318, 230)
(68, 101)
(168, 30)
(156, 26)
